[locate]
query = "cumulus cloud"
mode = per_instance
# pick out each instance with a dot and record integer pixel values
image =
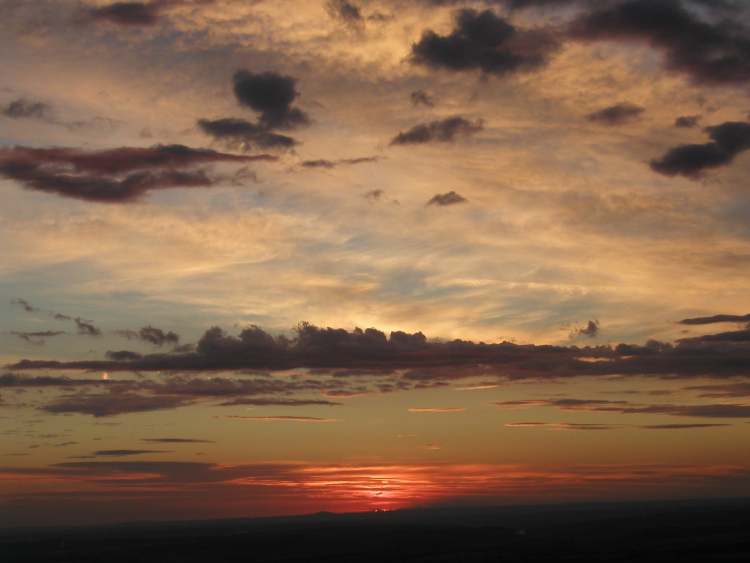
(118, 175)
(618, 114)
(487, 42)
(271, 95)
(443, 131)
(711, 52)
(424, 361)
(728, 140)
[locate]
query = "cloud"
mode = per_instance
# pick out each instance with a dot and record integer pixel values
(562, 426)
(25, 305)
(177, 441)
(422, 98)
(128, 13)
(591, 330)
(240, 134)
(565, 404)
(722, 410)
(87, 328)
(681, 426)
(444, 131)
(436, 410)
(618, 114)
(424, 361)
(706, 51)
(152, 335)
(728, 140)
(38, 337)
(22, 381)
(264, 402)
(27, 109)
(448, 198)
(722, 391)
(118, 175)
(687, 121)
(716, 319)
(280, 418)
(123, 355)
(124, 453)
(113, 403)
(484, 41)
(271, 95)
(346, 11)
(328, 164)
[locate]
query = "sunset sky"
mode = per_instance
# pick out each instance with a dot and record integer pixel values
(263, 257)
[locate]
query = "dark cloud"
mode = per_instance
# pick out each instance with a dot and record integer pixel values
(283, 418)
(712, 52)
(590, 330)
(618, 114)
(271, 95)
(448, 198)
(422, 98)
(716, 319)
(128, 13)
(624, 407)
(25, 305)
(687, 121)
(722, 391)
(681, 426)
(562, 425)
(152, 335)
(123, 355)
(241, 134)
(566, 404)
(177, 441)
(263, 402)
(346, 11)
(728, 140)
(328, 164)
(113, 403)
(374, 195)
(21, 381)
(38, 337)
(484, 41)
(443, 131)
(109, 176)
(730, 336)
(87, 328)
(124, 453)
(27, 109)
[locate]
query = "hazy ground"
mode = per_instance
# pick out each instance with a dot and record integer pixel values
(652, 532)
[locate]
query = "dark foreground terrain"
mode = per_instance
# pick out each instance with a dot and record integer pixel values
(704, 532)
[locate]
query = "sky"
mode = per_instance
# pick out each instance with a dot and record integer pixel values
(279, 257)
